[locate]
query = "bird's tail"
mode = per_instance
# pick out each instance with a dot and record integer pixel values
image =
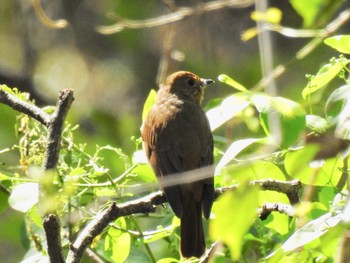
(192, 234)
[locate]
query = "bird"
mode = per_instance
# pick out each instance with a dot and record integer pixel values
(177, 139)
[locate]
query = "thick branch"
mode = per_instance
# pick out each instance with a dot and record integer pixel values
(24, 107)
(55, 128)
(53, 237)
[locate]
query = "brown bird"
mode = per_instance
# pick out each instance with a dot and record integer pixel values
(177, 138)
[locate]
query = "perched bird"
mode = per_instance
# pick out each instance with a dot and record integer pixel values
(177, 138)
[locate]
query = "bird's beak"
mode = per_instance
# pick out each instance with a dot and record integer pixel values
(207, 81)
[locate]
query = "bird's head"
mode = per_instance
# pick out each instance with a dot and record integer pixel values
(187, 85)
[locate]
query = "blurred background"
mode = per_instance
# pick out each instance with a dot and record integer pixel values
(112, 74)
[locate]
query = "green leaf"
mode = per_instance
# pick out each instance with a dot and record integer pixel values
(234, 213)
(24, 196)
(288, 114)
(3, 201)
(151, 99)
(308, 10)
(341, 43)
(35, 217)
(231, 82)
(145, 173)
(324, 76)
(168, 260)
(232, 151)
(337, 110)
(229, 108)
(297, 163)
(311, 231)
(165, 232)
(117, 242)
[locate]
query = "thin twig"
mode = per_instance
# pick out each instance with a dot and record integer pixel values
(180, 14)
(332, 27)
(45, 20)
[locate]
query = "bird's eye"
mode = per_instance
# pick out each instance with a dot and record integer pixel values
(191, 82)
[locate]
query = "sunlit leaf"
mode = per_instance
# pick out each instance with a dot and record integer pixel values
(35, 216)
(151, 99)
(164, 232)
(297, 163)
(337, 109)
(145, 173)
(308, 10)
(311, 231)
(324, 76)
(229, 108)
(342, 130)
(139, 157)
(289, 115)
(231, 82)
(168, 260)
(234, 149)
(341, 43)
(117, 242)
(234, 213)
(24, 196)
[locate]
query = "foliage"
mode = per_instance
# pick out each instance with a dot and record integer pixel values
(289, 140)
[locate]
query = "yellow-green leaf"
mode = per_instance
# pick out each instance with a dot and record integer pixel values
(151, 99)
(323, 77)
(234, 213)
(231, 82)
(341, 43)
(117, 242)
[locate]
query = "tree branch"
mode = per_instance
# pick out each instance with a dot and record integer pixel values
(24, 107)
(55, 128)
(52, 229)
(180, 14)
(51, 221)
(268, 208)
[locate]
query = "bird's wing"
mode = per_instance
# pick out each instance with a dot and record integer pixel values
(178, 145)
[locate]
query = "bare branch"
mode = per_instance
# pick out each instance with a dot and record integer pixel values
(24, 107)
(290, 188)
(45, 20)
(268, 208)
(55, 128)
(53, 236)
(180, 14)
